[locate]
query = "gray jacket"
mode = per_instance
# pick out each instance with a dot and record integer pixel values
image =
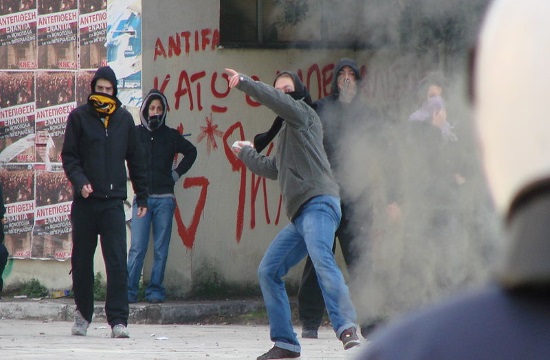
(300, 163)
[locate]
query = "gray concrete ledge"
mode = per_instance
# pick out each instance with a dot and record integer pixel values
(180, 312)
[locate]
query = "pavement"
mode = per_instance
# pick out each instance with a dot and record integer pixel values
(40, 329)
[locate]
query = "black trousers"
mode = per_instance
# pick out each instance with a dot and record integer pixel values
(3, 261)
(311, 305)
(104, 218)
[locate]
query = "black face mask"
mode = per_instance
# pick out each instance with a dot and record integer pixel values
(296, 95)
(154, 121)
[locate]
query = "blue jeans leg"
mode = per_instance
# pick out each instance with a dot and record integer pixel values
(162, 231)
(140, 228)
(317, 224)
(284, 252)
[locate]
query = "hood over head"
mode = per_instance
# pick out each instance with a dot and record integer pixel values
(155, 122)
(300, 91)
(512, 84)
(107, 73)
(339, 65)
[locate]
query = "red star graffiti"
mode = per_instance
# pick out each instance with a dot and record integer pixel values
(210, 131)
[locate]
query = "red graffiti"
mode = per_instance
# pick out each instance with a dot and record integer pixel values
(190, 86)
(255, 184)
(184, 88)
(217, 94)
(163, 86)
(210, 131)
(323, 77)
(188, 234)
(200, 39)
(237, 165)
(249, 100)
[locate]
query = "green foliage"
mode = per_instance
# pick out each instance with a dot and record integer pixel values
(141, 291)
(34, 289)
(100, 290)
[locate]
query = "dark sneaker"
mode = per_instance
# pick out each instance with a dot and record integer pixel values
(309, 333)
(279, 353)
(349, 338)
(80, 325)
(155, 301)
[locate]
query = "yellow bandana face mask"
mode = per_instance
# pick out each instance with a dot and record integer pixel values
(103, 104)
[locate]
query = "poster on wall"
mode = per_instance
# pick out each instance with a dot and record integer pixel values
(57, 35)
(55, 99)
(52, 227)
(83, 85)
(92, 26)
(18, 185)
(18, 35)
(17, 117)
(49, 52)
(124, 48)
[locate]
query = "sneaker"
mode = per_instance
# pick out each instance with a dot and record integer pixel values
(309, 333)
(349, 338)
(279, 353)
(155, 301)
(80, 326)
(120, 332)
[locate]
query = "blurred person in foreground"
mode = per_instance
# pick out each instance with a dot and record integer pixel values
(100, 139)
(311, 198)
(161, 144)
(510, 317)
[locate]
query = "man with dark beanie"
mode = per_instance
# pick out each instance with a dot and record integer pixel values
(100, 138)
(339, 112)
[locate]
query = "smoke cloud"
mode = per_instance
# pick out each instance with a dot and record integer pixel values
(425, 220)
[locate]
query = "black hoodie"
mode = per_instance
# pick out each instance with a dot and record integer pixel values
(300, 93)
(160, 145)
(106, 73)
(93, 154)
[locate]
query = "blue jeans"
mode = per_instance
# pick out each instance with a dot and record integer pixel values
(311, 232)
(160, 213)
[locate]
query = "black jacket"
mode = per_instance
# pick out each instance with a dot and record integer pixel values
(93, 154)
(161, 145)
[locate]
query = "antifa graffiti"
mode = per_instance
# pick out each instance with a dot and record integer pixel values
(205, 91)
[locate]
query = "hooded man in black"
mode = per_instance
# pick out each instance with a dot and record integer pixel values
(100, 139)
(339, 112)
(161, 144)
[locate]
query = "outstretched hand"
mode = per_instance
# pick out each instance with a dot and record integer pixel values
(233, 77)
